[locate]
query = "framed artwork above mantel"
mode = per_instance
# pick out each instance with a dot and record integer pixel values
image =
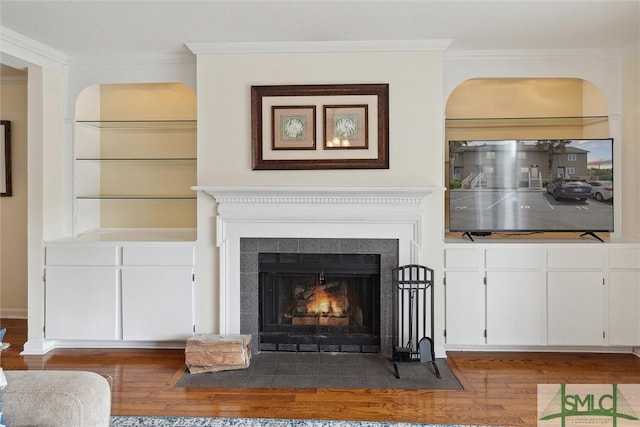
(342, 126)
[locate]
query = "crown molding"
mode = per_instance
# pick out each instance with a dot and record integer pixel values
(19, 51)
(319, 46)
(532, 54)
(133, 59)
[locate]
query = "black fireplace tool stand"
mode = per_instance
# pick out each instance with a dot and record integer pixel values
(412, 333)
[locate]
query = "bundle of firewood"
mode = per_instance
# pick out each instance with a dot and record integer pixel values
(213, 353)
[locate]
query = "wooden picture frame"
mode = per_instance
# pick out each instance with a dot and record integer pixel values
(366, 104)
(346, 127)
(5, 158)
(293, 127)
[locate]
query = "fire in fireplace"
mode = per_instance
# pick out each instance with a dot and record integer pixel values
(319, 302)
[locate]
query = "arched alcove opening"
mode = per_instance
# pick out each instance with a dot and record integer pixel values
(135, 157)
(519, 109)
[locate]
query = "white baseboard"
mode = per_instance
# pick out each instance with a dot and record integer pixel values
(13, 313)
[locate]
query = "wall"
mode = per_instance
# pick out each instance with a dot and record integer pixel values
(13, 210)
(224, 139)
(631, 139)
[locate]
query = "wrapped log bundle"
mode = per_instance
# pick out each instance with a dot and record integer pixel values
(213, 353)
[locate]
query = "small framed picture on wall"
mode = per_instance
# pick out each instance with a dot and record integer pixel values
(5, 158)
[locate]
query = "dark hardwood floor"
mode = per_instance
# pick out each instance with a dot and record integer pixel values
(499, 387)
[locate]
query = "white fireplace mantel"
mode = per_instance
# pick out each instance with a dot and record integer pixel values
(310, 212)
(367, 195)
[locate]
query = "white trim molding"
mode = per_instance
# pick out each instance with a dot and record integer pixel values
(320, 46)
(18, 51)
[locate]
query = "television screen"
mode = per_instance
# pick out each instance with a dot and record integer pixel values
(531, 185)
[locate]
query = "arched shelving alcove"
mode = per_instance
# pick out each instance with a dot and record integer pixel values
(523, 109)
(135, 157)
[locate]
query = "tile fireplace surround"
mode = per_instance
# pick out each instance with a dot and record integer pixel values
(308, 213)
(250, 248)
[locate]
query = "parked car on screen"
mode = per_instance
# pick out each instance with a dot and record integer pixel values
(601, 190)
(569, 188)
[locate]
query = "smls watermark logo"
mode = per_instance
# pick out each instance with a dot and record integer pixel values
(566, 405)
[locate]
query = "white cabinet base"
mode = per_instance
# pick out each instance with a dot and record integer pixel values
(81, 303)
(155, 302)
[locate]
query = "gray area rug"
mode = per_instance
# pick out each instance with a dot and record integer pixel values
(327, 370)
(251, 422)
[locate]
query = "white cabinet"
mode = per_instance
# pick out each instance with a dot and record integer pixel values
(121, 292)
(81, 293)
(577, 294)
(535, 295)
(495, 297)
(576, 308)
(465, 308)
(157, 303)
(81, 303)
(624, 297)
(515, 308)
(157, 292)
(624, 307)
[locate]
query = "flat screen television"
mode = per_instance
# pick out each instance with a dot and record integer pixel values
(518, 186)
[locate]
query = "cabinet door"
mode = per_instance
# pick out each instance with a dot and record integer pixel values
(157, 303)
(465, 307)
(575, 308)
(516, 308)
(81, 303)
(624, 307)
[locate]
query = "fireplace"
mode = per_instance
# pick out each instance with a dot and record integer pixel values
(328, 260)
(319, 302)
(251, 220)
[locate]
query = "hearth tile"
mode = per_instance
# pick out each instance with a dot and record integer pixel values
(308, 245)
(308, 358)
(306, 381)
(379, 246)
(307, 369)
(231, 382)
(249, 283)
(263, 368)
(269, 356)
(328, 246)
(379, 381)
(350, 381)
(288, 245)
(267, 245)
(259, 381)
(334, 381)
(353, 370)
(285, 369)
(379, 370)
(285, 357)
(283, 381)
(248, 245)
(249, 263)
(350, 246)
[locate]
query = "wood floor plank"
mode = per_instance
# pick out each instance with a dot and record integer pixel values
(500, 388)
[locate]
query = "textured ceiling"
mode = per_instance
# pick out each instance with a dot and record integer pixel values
(153, 26)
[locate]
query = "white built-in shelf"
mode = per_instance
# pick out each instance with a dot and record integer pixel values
(500, 122)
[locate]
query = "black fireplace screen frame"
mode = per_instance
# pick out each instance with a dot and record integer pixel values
(282, 276)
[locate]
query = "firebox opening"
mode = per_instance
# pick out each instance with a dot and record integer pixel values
(319, 302)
